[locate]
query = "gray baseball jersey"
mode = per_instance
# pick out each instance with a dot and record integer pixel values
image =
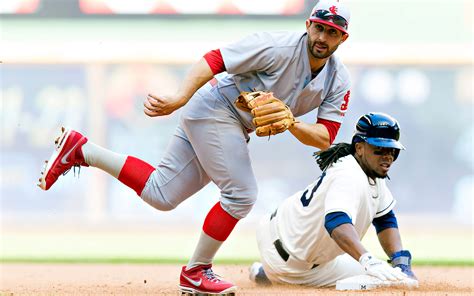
(210, 143)
(279, 62)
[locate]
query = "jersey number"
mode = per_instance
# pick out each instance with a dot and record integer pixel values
(304, 200)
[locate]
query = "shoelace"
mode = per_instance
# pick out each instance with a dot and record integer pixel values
(211, 275)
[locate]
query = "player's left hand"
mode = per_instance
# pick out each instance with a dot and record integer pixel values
(402, 260)
(161, 105)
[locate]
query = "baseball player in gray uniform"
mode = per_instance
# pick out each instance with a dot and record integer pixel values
(210, 143)
(313, 238)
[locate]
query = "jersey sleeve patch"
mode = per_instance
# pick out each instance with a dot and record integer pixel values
(345, 103)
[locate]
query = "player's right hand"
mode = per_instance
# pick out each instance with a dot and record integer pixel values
(380, 269)
(162, 105)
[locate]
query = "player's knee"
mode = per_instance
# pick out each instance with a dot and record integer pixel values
(240, 203)
(160, 204)
(242, 210)
(157, 201)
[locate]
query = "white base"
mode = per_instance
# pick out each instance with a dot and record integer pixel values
(367, 282)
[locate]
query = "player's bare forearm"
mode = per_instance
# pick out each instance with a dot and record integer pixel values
(390, 240)
(158, 105)
(199, 74)
(348, 240)
(315, 135)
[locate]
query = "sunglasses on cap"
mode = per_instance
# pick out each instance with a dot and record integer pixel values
(326, 15)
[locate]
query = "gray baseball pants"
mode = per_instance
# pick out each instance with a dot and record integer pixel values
(210, 144)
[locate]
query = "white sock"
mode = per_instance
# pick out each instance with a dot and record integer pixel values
(205, 251)
(103, 159)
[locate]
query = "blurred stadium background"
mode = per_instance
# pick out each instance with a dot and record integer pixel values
(89, 64)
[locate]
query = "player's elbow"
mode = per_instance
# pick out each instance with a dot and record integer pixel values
(325, 145)
(321, 143)
(315, 135)
(315, 140)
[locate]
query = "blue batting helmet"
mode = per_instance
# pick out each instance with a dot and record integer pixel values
(378, 129)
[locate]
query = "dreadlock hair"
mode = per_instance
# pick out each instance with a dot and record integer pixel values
(327, 157)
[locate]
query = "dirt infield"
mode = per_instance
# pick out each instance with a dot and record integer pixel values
(125, 279)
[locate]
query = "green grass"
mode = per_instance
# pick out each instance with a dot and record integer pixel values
(150, 260)
(443, 262)
(170, 246)
(119, 260)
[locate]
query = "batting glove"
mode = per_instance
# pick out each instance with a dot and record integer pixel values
(380, 269)
(402, 260)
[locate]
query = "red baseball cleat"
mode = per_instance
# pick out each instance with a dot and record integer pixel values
(201, 279)
(67, 154)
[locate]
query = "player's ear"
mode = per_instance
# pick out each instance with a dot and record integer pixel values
(358, 148)
(308, 24)
(344, 38)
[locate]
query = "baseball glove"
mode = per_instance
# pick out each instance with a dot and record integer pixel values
(270, 115)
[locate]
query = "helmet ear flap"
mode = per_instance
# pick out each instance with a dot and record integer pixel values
(357, 138)
(397, 152)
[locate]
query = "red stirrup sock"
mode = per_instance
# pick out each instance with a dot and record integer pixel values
(135, 173)
(218, 223)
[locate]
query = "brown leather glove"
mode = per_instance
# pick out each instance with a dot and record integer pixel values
(270, 115)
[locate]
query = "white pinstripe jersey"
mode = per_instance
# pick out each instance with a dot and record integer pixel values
(344, 187)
